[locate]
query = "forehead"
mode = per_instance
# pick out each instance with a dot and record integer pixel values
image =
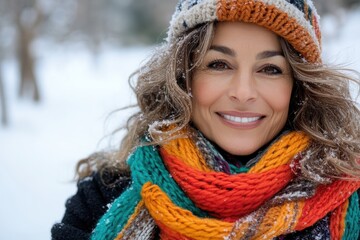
(240, 34)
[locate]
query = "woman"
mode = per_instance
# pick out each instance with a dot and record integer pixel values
(242, 133)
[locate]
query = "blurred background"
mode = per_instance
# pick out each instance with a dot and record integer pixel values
(64, 68)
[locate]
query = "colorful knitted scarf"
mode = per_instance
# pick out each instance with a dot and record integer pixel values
(185, 190)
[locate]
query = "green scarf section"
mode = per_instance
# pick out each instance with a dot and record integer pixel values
(352, 220)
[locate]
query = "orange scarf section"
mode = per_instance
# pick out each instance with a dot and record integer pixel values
(219, 193)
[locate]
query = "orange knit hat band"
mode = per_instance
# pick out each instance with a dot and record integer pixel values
(294, 20)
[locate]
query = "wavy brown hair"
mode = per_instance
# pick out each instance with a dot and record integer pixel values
(321, 106)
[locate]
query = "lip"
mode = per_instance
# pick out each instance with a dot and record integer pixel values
(241, 120)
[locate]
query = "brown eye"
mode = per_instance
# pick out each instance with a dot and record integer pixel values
(271, 70)
(218, 65)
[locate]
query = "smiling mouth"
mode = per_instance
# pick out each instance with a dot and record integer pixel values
(241, 120)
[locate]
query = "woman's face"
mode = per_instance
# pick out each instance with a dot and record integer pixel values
(241, 92)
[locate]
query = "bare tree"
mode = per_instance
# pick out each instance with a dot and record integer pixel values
(4, 116)
(28, 16)
(90, 19)
(3, 100)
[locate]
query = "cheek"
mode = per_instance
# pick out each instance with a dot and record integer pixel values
(205, 95)
(279, 97)
(204, 91)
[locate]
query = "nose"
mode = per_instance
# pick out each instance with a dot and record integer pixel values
(243, 87)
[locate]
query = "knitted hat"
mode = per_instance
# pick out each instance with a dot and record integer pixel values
(295, 20)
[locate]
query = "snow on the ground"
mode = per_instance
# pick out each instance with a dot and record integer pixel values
(40, 147)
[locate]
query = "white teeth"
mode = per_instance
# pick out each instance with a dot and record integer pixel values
(241, 119)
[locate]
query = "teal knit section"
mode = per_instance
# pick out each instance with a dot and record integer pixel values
(352, 219)
(146, 166)
(236, 170)
(117, 216)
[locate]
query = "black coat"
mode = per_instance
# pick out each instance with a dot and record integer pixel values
(85, 208)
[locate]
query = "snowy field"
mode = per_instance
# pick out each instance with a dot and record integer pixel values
(43, 142)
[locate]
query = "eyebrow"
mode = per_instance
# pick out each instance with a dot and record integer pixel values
(224, 50)
(269, 54)
(232, 53)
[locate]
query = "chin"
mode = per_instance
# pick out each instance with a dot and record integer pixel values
(242, 152)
